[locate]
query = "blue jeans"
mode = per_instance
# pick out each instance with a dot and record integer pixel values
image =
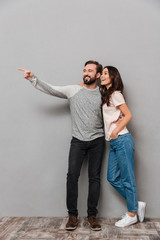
(121, 169)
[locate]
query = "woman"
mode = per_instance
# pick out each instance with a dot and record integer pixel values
(121, 156)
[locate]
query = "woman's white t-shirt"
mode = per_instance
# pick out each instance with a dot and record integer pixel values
(112, 115)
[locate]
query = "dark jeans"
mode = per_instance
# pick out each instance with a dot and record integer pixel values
(78, 151)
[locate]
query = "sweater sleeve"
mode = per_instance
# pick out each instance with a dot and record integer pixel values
(57, 91)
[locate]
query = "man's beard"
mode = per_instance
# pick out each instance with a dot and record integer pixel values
(89, 81)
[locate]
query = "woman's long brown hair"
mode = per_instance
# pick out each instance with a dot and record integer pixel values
(117, 85)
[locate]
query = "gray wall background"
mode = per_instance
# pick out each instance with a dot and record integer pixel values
(54, 38)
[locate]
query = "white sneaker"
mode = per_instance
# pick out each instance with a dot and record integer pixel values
(141, 210)
(126, 221)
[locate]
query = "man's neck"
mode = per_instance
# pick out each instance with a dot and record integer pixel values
(92, 86)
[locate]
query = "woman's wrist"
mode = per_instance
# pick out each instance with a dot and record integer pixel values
(115, 131)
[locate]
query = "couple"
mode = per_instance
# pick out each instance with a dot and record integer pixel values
(87, 102)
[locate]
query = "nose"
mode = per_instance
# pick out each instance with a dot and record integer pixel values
(86, 72)
(101, 77)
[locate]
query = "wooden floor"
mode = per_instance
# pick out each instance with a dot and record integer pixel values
(39, 228)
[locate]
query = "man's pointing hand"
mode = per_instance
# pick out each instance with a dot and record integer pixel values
(27, 74)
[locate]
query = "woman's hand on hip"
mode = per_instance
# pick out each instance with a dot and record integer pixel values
(114, 135)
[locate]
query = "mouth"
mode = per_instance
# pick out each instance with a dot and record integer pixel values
(87, 78)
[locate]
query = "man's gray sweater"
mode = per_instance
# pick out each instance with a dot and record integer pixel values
(86, 115)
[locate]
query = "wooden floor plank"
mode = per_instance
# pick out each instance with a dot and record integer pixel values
(52, 228)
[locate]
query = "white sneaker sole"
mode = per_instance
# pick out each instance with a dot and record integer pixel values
(126, 225)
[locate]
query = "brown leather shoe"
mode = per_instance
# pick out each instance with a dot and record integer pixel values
(72, 223)
(94, 224)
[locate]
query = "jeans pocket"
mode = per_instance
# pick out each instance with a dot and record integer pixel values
(75, 141)
(114, 138)
(115, 141)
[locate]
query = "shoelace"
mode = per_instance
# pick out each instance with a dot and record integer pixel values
(123, 216)
(94, 220)
(71, 220)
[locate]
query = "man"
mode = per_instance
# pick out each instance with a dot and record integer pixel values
(87, 137)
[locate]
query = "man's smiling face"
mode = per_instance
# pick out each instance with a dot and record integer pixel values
(90, 74)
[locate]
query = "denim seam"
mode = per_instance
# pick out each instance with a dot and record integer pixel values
(115, 171)
(132, 146)
(128, 169)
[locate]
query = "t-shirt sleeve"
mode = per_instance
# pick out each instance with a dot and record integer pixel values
(117, 98)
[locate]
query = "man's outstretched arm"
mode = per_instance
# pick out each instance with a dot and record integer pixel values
(62, 92)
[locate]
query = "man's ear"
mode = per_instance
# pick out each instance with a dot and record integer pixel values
(98, 75)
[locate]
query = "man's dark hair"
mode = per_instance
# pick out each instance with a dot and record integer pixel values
(99, 66)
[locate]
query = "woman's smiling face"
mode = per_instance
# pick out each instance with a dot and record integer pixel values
(105, 78)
